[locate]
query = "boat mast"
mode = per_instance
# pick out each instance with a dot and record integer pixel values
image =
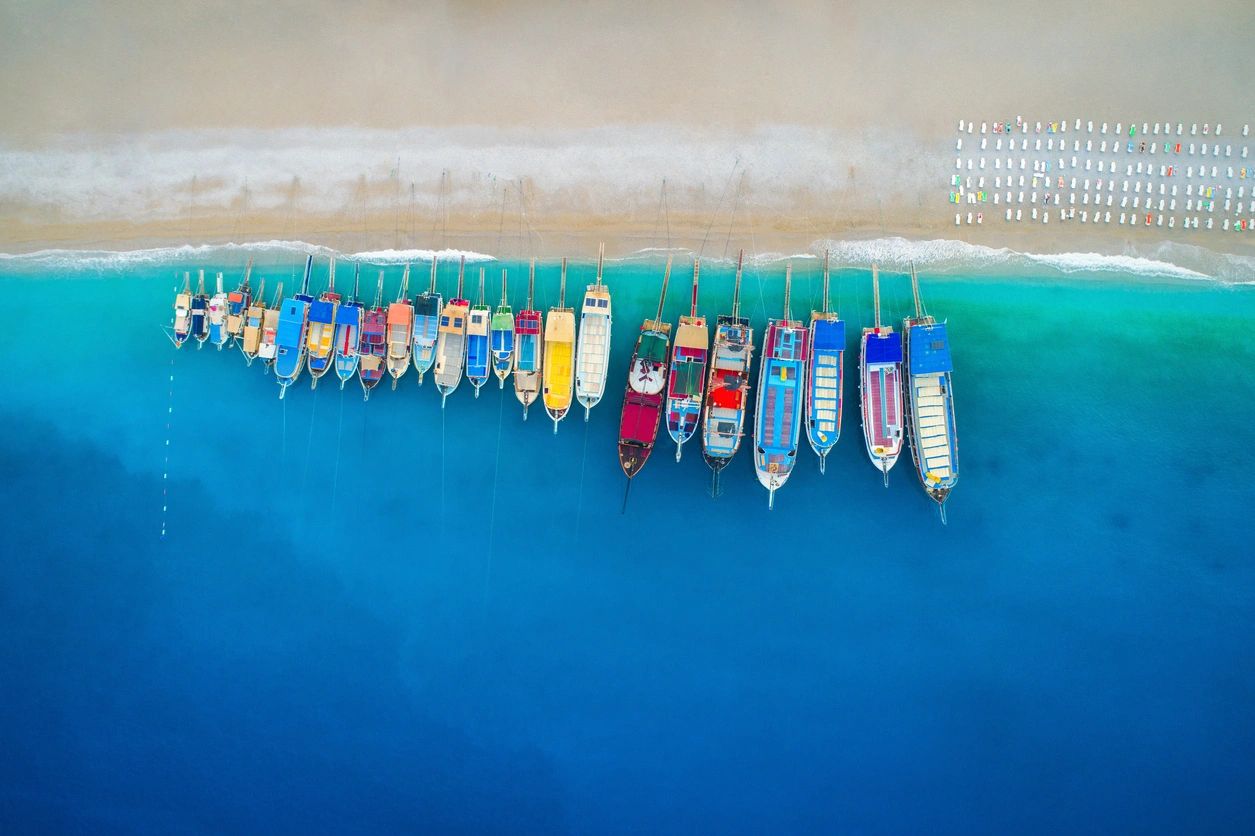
(357, 278)
(331, 276)
(825, 281)
(531, 284)
(309, 268)
(876, 293)
(461, 274)
(697, 269)
(405, 284)
(187, 282)
(562, 286)
(200, 286)
(248, 270)
(504, 301)
(219, 285)
(278, 295)
(480, 301)
(915, 292)
(662, 297)
(736, 291)
(261, 291)
(601, 254)
(379, 292)
(432, 287)
(788, 280)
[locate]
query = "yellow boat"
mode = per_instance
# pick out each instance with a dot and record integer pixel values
(558, 369)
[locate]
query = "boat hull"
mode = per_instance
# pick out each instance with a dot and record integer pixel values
(880, 390)
(778, 418)
(929, 405)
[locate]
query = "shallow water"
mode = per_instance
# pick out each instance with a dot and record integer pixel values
(382, 616)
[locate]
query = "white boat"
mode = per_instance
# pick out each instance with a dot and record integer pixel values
(592, 355)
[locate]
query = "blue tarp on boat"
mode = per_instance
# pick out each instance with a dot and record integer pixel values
(930, 349)
(830, 335)
(321, 311)
(885, 348)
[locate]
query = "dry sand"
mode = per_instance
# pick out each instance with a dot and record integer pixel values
(130, 125)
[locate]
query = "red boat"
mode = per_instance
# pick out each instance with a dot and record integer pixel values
(643, 398)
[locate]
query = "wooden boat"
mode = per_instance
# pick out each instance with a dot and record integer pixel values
(529, 341)
(686, 383)
(824, 378)
(880, 388)
(592, 356)
(727, 386)
(181, 328)
(372, 347)
(349, 332)
(502, 337)
(238, 301)
(266, 348)
(778, 418)
(320, 346)
(558, 373)
(930, 403)
(451, 343)
(200, 313)
(642, 396)
(427, 307)
(290, 337)
(216, 316)
(254, 315)
(477, 340)
(400, 330)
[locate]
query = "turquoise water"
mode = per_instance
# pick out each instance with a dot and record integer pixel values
(380, 616)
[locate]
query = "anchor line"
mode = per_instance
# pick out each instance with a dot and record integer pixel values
(492, 508)
(718, 205)
(335, 478)
(165, 469)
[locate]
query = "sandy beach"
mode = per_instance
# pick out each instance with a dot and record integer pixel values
(542, 130)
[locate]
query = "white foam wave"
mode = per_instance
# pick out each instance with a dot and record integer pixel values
(950, 256)
(112, 259)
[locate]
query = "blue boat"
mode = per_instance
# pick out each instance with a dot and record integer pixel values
(477, 342)
(930, 403)
(502, 337)
(182, 326)
(427, 307)
(200, 313)
(824, 378)
(290, 335)
(348, 331)
(778, 418)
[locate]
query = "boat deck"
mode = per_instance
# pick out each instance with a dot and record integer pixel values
(930, 397)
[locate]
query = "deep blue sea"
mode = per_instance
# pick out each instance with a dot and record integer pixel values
(381, 617)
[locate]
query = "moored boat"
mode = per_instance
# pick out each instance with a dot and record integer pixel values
(216, 316)
(200, 312)
(348, 332)
(182, 325)
(266, 348)
(451, 343)
(426, 326)
(320, 338)
(529, 343)
(880, 388)
(728, 385)
(687, 378)
(930, 402)
(778, 416)
(290, 338)
(592, 356)
(559, 373)
(238, 302)
(643, 395)
(254, 317)
(372, 347)
(824, 377)
(477, 340)
(502, 336)
(400, 329)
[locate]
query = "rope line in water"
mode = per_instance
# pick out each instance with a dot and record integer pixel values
(165, 468)
(492, 509)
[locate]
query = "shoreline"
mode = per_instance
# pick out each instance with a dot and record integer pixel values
(547, 237)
